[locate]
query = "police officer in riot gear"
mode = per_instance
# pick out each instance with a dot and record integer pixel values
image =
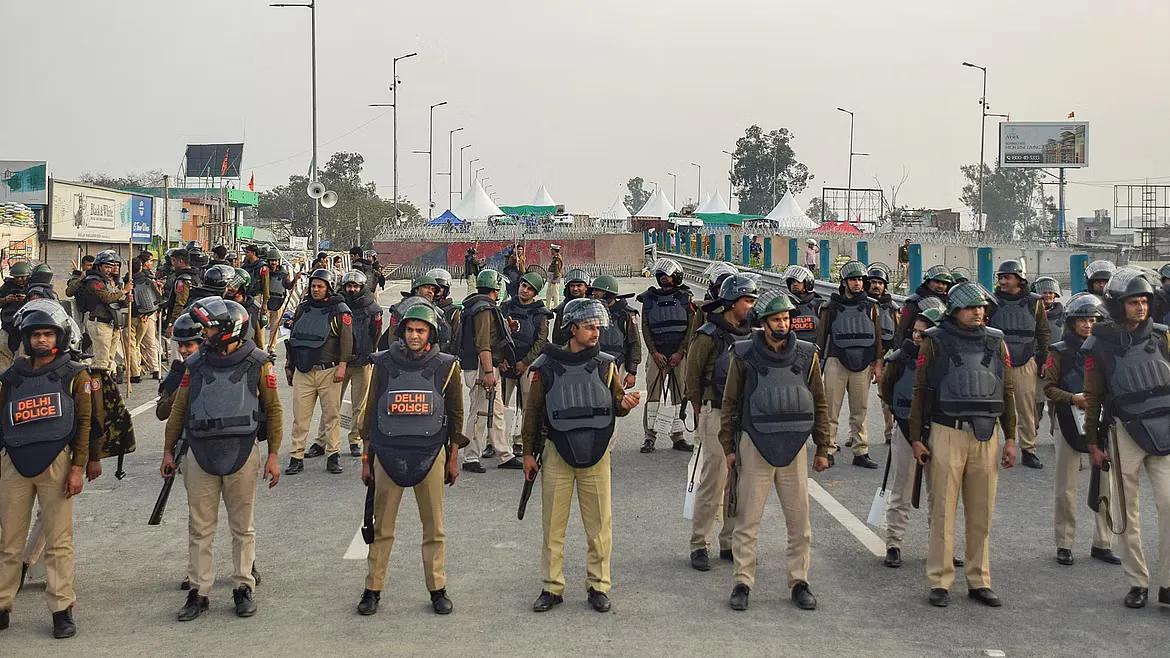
(320, 347)
(237, 289)
(1020, 315)
(424, 288)
(1097, 275)
(40, 284)
(620, 339)
(225, 402)
(257, 275)
(182, 280)
(45, 426)
(1064, 385)
(445, 305)
(774, 394)
(188, 336)
(102, 300)
(412, 441)
(708, 359)
(1161, 308)
(877, 282)
(962, 389)
(935, 284)
(12, 298)
(213, 283)
(575, 399)
(802, 284)
(144, 345)
(1127, 396)
(527, 318)
(849, 339)
(279, 285)
(960, 275)
(359, 262)
(576, 287)
(667, 314)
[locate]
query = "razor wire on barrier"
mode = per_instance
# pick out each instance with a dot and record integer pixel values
(497, 233)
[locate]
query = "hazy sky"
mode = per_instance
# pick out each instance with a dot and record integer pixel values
(581, 96)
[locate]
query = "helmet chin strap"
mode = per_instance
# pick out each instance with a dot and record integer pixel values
(778, 335)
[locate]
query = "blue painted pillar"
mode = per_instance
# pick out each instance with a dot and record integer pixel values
(1076, 270)
(711, 247)
(745, 253)
(863, 251)
(767, 253)
(793, 251)
(826, 261)
(914, 270)
(985, 269)
(727, 248)
(686, 249)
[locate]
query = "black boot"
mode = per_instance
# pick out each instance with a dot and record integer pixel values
(474, 467)
(1137, 597)
(1031, 460)
(294, 466)
(700, 561)
(4, 615)
(599, 601)
(245, 604)
(369, 603)
(893, 557)
(546, 601)
(63, 626)
(1064, 556)
(864, 461)
(985, 596)
(1164, 595)
(333, 464)
(314, 451)
(1106, 555)
(195, 606)
(939, 597)
(739, 597)
(647, 445)
(441, 603)
(725, 554)
(681, 445)
(355, 450)
(803, 597)
(185, 585)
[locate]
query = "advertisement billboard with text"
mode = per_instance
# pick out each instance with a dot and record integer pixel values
(23, 181)
(91, 214)
(1043, 144)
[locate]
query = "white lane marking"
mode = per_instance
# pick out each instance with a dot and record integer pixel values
(143, 407)
(357, 548)
(851, 523)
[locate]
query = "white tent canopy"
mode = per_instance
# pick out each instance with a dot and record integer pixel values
(543, 198)
(789, 215)
(657, 206)
(616, 210)
(477, 206)
(713, 204)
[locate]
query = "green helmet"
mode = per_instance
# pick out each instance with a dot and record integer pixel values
(576, 275)
(854, 269)
(932, 315)
(606, 283)
(1046, 284)
(940, 273)
(426, 280)
(273, 254)
(535, 280)
(424, 312)
(43, 267)
(488, 279)
(965, 295)
(20, 269)
(960, 274)
(778, 303)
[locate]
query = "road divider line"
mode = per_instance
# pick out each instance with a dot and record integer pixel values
(846, 518)
(144, 407)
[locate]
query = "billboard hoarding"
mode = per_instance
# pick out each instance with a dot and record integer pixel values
(214, 160)
(1049, 144)
(298, 242)
(141, 219)
(84, 213)
(24, 181)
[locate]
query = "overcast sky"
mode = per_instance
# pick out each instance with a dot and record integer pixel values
(581, 96)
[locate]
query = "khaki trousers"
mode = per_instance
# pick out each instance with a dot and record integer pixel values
(204, 492)
(757, 479)
(510, 385)
(1025, 396)
(273, 329)
(711, 496)
(961, 466)
(17, 494)
(105, 344)
(308, 388)
(1133, 560)
(554, 292)
(143, 345)
(387, 497)
(890, 424)
(1068, 465)
(358, 379)
(593, 498)
(475, 426)
(35, 547)
(839, 380)
(901, 491)
(656, 381)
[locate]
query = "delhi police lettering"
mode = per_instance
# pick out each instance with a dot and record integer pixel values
(36, 408)
(411, 403)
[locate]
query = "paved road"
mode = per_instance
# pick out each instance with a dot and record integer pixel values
(128, 574)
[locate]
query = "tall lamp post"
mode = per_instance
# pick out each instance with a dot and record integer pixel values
(983, 107)
(461, 149)
(730, 173)
(450, 163)
(675, 199)
(477, 170)
(699, 183)
(470, 172)
(849, 184)
(431, 160)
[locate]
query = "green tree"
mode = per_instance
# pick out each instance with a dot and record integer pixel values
(819, 212)
(637, 195)
(765, 168)
(150, 178)
(1013, 200)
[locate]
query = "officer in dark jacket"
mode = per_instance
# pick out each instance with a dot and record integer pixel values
(571, 377)
(188, 336)
(877, 283)
(1049, 290)
(1020, 315)
(279, 285)
(774, 394)
(935, 283)
(144, 346)
(225, 402)
(359, 262)
(257, 275)
(708, 359)
(412, 441)
(12, 297)
(40, 284)
(1127, 397)
(237, 289)
(445, 305)
(960, 421)
(48, 406)
(527, 319)
(101, 300)
(182, 280)
(213, 283)
(621, 338)
(667, 314)
(320, 347)
(576, 287)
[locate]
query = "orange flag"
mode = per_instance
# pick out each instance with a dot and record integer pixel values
(252, 182)
(1072, 115)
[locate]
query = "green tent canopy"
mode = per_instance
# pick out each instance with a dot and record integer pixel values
(529, 211)
(725, 218)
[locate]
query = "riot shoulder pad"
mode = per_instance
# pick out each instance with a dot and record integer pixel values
(1059, 347)
(604, 359)
(992, 332)
(893, 357)
(805, 350)
(1090, 345)
(342, 307)
(708, 328)
(933, 331)
(541, 361)
(743, 348)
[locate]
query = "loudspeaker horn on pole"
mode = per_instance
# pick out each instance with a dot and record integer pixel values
(316, 190)
(329, 199)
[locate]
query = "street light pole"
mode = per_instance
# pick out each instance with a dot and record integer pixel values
(461, 149)
(431, 160)
(849, 188)
(470, 164)
(477, 170)
(699, 184)
(982, 136)
(675, 199)
(730, 173)
(450, 163)
(394, 104)
(312, 7)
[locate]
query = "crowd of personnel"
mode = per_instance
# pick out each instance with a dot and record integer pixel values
(962, 374)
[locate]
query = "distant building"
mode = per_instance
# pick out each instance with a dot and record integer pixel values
(1098, 229)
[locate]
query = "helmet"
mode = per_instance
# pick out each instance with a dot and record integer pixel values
(443, 277)
(777, 303)
(1164, 271)
(488, 279)
(535, 280)
(240, 281)
(1046, 284)
(322, 275)
(667, 266)
(42, 313)
(939, 273)
(854, 269)
(421, 281)
(187, 330)
(931, 315)
(1126, 282)
(1085, 305)
(175, 251)
(1012, 266)
(965, 295)
(798, 273)
(420, 311)
(197, 259)
(107, 257)
(585, 309)
(219, 277)
(960, 274)
(716, 272)
(738, 286)
(354, 276)
(229, 317)
(576, 275)
(273, 254)
(20, 269)
(607, 284)
(1099, 270)
(927, 303)
(194, 245)
(877, 272)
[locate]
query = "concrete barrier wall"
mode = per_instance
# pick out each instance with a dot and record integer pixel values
(616, 249)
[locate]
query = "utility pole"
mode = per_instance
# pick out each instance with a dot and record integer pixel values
(730, 173)
(450, 166)
(849, 187)
(698, 184)
(461, 149)
(982, 139)
(675, 199)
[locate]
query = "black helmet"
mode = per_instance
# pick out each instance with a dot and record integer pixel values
(1164, 271)
(420, 310)
(1085, 305)
(197, 259)
(187, 330)
(585, 309)
(219, 277)
(1012, 266)
(878, 272)
(576, 275)
(939, 273)
(1126, 282)
(107, 257)
(738, 286)
(224, 314)
(1046, 284)
(965, 295)
(44, 313)
(1099, 270)
(323, 275)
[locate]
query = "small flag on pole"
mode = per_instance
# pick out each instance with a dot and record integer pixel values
(252, 182)
(1072, 115)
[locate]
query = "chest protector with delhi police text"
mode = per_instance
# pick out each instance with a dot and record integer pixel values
(1137, 378)
(410, 426)
(578, 405)
(1016, 318)
(223, 412)
(39, 420)
(1072, 379)
(778, 408)
(852, 334)
(967, 376)
(807, 318)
